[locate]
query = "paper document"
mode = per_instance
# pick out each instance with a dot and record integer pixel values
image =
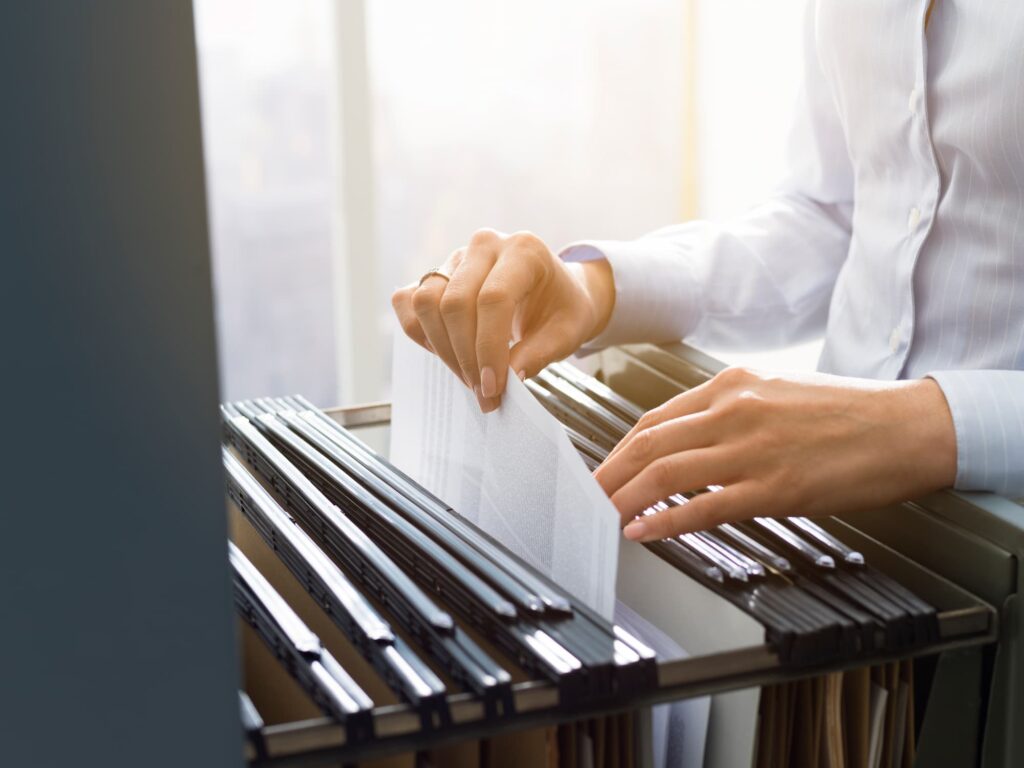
(698, 620)
(512, 472)
(679, 729)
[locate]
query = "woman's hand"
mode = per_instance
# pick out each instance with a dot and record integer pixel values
(503, 289)
(780, 445)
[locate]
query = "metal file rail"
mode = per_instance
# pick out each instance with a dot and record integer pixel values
(961, 620)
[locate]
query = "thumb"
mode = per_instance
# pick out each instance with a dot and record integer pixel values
(546, 344)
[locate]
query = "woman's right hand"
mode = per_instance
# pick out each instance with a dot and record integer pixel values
(505, 289)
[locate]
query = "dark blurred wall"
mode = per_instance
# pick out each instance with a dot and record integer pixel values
(116, 628)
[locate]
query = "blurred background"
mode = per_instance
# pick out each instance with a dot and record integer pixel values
(351, 145)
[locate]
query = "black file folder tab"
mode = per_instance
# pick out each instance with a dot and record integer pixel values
(463, 659)
(629, 412)
(827, 540)
(299, 650)
(447, 573)
(588, 408)
(753, 547)
(397, 664)
(435, 517)
(392, 584)
(573, 648)
(473, 641)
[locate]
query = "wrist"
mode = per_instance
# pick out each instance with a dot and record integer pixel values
(598, 283)
(927, 423)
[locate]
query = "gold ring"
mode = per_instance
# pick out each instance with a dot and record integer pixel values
(439, 272)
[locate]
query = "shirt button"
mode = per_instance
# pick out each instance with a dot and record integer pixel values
(914, 218)
(894, 340)
(912, 102)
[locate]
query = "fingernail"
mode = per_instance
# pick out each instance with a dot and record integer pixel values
(486, 404)
(522, 375)
(635, 530)
(488, 384)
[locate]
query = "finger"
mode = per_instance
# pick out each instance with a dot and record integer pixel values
(519, 269)
(426, 302)
(689, 402)
(735, 502)
(401, 301)
(679, 472)
(648, 445)
(458, 305)
(543, 345)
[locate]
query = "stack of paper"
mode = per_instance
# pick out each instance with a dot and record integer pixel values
(513, 472)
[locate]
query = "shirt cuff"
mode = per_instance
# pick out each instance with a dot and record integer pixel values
(656, 293)
(988, 416)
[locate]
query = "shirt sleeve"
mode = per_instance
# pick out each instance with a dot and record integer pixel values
(762, 279)
(988, 417)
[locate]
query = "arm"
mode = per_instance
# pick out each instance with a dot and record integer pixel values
(765, 278)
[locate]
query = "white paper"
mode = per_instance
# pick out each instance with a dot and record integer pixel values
(679, 729)
(513, 472)
(697, 619)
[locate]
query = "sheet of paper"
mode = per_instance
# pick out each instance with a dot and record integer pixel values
(513, 472)
(701, 622)
(679, 729)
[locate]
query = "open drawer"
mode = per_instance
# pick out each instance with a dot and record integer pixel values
(728, 656)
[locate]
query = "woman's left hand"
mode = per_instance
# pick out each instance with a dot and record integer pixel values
(780, 445)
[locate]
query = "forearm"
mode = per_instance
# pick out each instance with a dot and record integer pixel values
(761, 280)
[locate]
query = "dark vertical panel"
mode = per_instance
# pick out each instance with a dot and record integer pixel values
(116, 634)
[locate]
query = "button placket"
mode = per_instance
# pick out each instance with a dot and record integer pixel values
(894, 340)
(913, 219)
(919, 216)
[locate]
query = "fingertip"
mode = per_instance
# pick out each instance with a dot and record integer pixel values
(636, 531)
(519, 362)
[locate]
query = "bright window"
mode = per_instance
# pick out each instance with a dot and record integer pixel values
(570, 119)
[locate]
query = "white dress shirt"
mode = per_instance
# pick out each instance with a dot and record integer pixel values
(899, 231)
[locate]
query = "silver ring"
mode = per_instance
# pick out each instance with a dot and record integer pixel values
(436, 271)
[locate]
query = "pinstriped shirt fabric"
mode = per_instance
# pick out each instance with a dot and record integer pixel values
(899, 230)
